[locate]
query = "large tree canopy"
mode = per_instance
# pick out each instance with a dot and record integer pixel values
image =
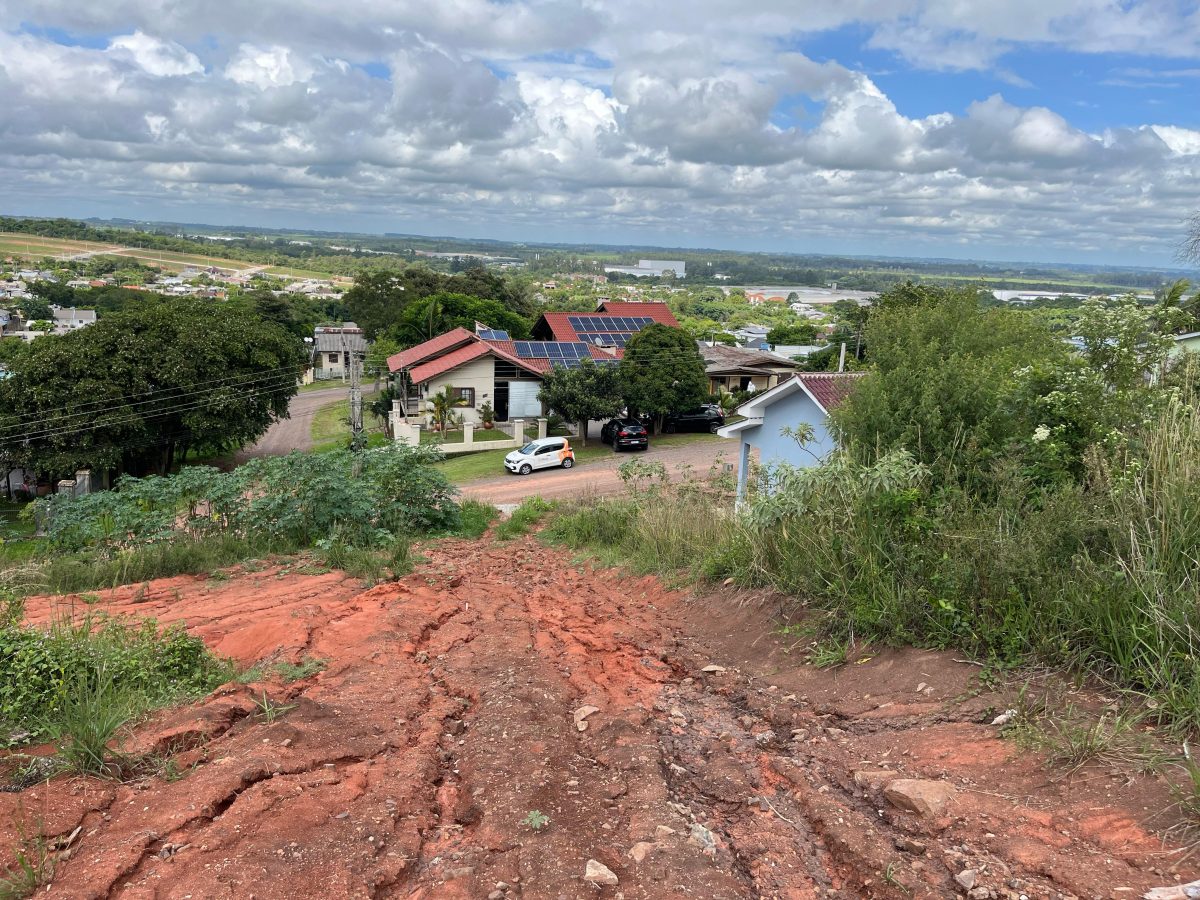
(124, 394)
(379, 299)
(581, 394)
(663, 372)
(942, 366)
(441, 312)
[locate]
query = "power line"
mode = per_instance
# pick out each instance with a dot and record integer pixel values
(85, 409)
(133, 420)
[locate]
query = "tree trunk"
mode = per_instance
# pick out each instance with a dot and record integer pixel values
(583, 424)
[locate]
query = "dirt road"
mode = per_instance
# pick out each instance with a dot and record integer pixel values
(706, 762)
(600, 476)
(294, 432)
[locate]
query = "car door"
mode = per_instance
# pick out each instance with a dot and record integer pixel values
(547, 456)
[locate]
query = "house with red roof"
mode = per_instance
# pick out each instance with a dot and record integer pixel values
(487, 366)
(804, 400)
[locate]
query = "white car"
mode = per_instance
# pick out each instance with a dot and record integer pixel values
(544, 453)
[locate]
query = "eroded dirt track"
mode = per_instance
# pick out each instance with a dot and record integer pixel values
(446, 715)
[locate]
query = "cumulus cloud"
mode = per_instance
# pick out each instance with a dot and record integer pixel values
(158, 57)
(535, 116)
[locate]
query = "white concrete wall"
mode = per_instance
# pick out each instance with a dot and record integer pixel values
(478, 373)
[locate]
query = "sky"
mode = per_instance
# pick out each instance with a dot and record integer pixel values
(1034, 130)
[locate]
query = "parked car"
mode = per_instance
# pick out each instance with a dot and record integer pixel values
(704, 418)
(544, 453)
(624, 434)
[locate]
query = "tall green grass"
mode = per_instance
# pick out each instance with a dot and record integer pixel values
(1102, 576)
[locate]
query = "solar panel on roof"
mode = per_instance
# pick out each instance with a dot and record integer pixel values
(522, 348)
(490, 334)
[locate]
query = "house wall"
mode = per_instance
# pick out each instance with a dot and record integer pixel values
(1188, 345)
(791, 411)
(478, 373)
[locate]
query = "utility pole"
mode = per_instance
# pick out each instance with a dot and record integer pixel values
(356, 417)
(842, 358)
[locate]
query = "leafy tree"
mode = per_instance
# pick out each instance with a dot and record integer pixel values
(34, 307)
(800, 333)
(377, 300)
(53, 292)
(127, 393)
(941, 373)
(585, 393)
(441, 312)
(663, 372)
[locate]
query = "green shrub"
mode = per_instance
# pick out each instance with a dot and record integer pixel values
(50, 677)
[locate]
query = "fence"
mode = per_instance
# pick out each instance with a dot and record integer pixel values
(410, 433)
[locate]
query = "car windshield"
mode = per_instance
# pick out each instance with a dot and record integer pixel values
(529, 449)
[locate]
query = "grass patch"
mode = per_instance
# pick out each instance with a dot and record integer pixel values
(524, 518)
(307, 667)
(80, 682)
(476, 518)
(92, 570)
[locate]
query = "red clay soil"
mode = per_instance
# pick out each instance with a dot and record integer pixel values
(446, 715)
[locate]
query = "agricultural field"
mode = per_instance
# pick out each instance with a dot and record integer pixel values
(34, 247)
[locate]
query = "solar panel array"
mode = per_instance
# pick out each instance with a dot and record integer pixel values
(609, 324)
(606, 339)
(552, 350)
(489, 334)
(575, 363)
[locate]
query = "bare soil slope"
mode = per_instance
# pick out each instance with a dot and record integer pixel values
(448, 712)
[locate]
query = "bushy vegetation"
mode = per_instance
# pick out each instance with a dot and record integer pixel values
(995, 494)
(80, 682)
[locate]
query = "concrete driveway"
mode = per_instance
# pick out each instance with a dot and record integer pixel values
(600, 476)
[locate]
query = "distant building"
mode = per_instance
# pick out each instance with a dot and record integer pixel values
(66, 319)
(651, 268)
(334, 346)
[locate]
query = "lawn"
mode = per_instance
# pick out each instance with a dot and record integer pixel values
(490, 463)
(331, 425)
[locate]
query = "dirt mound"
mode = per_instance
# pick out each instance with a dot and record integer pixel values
(449, 723)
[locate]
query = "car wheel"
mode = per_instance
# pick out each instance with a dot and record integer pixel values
(568, 462)
(713, 427)
(526, 469)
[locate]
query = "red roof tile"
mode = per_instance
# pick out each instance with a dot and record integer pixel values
(559, 325)
(830, 388)
(451, 360)
(406, 359)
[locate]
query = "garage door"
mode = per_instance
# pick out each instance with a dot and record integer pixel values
(523, 402)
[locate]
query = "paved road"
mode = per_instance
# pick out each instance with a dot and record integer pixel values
(294, 432)
(600, 477)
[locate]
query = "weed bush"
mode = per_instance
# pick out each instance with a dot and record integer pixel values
(365, 498)
(53, 681)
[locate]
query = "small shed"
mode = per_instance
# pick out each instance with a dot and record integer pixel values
(804, 399)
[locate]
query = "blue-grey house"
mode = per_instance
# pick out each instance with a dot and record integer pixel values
(804, 399)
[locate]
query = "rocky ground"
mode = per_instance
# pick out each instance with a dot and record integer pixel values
(507, 723)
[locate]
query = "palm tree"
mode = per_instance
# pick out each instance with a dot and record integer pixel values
(441, 405)
(1170, 297)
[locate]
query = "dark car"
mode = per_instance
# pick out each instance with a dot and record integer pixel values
(624, 434)
(704, 418)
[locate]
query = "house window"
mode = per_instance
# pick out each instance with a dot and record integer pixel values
(466, 396)
(333, 357)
